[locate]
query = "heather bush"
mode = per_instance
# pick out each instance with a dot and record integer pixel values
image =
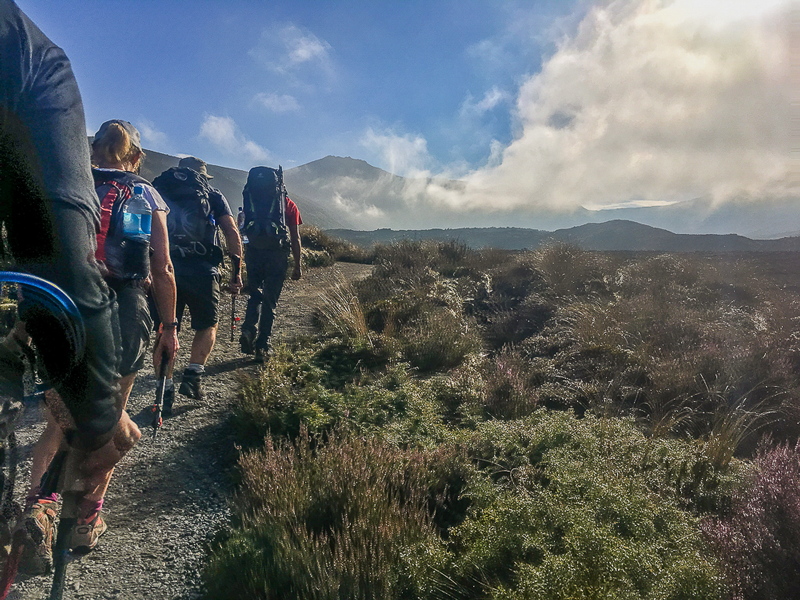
(510, 391)
(336, 518)
(758, 541)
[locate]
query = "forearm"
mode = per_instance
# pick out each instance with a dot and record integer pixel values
(165, 294)
(296, 252)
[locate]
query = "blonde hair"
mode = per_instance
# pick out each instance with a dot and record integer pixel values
(115, 149)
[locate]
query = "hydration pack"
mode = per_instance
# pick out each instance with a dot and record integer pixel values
(264, 200)
(190, 222)
(115, 188)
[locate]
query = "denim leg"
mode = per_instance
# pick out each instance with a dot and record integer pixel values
(266, 271)
(273, 284)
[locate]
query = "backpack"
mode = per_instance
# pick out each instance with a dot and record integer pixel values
(264, 200)
(190, 222)
(114, 188)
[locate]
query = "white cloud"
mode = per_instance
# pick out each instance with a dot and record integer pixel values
(278, 104)
(491, 100)
(287, 48)
(223, 133)
(152, 137)
(405, 155)
(653, 101)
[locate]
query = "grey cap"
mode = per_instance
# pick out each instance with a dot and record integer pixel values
(195, 164)
(132, 132)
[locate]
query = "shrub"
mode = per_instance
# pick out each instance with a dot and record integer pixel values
(331, 519)
(757, 542)
(575, 508)
(319, 242)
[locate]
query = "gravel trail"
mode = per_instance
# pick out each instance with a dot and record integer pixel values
(168, 497)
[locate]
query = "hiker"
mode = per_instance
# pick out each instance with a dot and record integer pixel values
(271, 225)
(117, 155)
(197, 212)
(51, 213)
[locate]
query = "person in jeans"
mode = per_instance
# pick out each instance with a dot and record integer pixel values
(266, 272)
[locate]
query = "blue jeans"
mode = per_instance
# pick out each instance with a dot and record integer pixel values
(266, 272)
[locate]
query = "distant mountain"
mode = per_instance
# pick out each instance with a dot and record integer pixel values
(616, 235)
(347, 193)
(231, 182)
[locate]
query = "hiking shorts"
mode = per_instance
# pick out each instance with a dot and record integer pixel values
(198, 284)
(135, 324)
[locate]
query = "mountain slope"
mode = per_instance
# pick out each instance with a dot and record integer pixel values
(231, 182)
(616, 235)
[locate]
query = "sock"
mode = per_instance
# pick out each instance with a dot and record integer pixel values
(169, 385)
(36, 495)
(197, 368)
(89, 508)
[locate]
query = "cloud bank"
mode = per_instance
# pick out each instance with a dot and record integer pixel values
(648, 101)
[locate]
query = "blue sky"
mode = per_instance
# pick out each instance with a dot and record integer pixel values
(300, 80)
(534, 105)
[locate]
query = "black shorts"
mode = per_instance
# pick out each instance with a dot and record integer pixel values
(135, 324)
(198, 285)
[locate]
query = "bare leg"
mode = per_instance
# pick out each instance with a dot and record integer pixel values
(98, 473)
(203, 344)
(98, 466)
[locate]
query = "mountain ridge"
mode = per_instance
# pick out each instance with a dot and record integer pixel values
(347, 193)
(611, 236)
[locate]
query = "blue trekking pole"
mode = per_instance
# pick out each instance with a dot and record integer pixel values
(44, 299)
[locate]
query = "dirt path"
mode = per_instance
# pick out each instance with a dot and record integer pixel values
(168, 498)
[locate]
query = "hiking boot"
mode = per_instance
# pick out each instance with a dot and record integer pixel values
(261, 356)
(192, 385)
(167, 402)
(86, 532)
(246, 341)
(38, 524)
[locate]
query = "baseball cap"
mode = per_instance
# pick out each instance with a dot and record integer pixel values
(132, 132)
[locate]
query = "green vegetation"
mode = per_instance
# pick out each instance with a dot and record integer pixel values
(549, 424)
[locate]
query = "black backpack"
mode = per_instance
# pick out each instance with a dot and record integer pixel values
(190, 222)
(264, 201)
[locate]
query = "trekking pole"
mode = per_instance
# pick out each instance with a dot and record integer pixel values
(236, 264)
(67, 520)
(234, 318)
(160, 386)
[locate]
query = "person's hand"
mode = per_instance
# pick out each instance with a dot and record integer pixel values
(235, 286)
(296, 273)
(166, 341)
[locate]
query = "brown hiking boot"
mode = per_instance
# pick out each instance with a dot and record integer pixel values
(37, 523)
(86, 533)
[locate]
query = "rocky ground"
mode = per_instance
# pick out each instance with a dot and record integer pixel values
(168, 497)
